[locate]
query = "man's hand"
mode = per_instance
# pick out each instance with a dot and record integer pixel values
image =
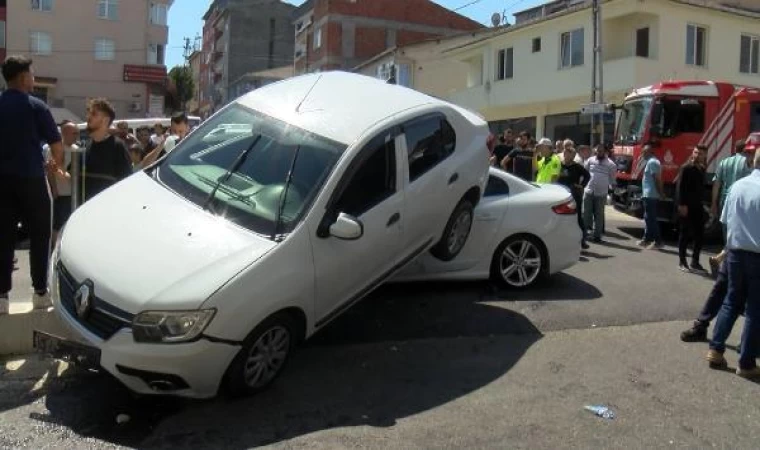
(714, 210)
(683, 210)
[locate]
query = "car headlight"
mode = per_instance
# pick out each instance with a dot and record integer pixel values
(170, 326)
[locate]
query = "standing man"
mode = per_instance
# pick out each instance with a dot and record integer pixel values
(651, 193)
(521, 161)
(62, 202)
(180, 126)
(107, 160)
(740, 215)
(25, 124)
(602, 173)
(550, 164)
(504, 147)
(575, 177)
(691, 193)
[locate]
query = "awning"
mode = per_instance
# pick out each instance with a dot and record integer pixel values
(61, 114)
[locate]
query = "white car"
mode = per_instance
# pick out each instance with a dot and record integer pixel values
(522, 232)
(208, 267)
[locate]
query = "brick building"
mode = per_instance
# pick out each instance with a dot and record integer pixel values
(340, 34)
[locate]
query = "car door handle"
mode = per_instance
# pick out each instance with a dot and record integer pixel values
(454, 178)
(394, 218)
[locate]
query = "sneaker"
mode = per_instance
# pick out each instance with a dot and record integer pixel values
(584, 245)
(714, 266)
(684, 268)
(697, 267)
(750, 374)
(694, 334)
(654, 246)
(642, 243)
(41, 300)
(596, 239)
(716, 360)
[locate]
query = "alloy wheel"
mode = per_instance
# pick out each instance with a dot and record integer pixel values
(267, 356)
(459, 232)
(520, 263)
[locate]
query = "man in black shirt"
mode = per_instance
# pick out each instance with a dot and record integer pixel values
(691, 195)
(107, 159)
(504, 147)
(575, 177)
(521, 161)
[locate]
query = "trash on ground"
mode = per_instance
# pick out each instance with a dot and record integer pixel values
(601, 411)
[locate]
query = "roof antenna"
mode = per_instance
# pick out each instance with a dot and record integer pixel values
(298, 108)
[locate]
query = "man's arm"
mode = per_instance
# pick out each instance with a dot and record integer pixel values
(715, 195)
(123, 164)
(658, 182)
(151, 157)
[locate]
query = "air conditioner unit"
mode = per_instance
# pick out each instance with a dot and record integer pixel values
(135, 107)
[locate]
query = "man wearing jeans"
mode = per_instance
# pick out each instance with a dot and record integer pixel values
(651, 193)
(602, 176)
(740, 215)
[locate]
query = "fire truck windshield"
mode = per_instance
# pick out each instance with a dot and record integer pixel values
(633, 120)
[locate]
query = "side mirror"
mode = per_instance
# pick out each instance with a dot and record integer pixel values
(347, 227)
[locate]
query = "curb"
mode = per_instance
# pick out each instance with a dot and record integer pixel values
(16, 330)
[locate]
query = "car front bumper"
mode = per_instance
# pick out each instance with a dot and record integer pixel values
(193, 369)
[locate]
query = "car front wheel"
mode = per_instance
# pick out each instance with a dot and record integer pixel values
(456, 232)
(263, 356)
(519, 262)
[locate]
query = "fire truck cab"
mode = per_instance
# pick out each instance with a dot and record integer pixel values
(674, 117)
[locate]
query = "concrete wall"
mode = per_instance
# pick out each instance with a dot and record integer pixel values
(73, 31)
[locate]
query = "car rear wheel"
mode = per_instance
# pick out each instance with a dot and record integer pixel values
(519, 262)
(263, 356)
(456, 232)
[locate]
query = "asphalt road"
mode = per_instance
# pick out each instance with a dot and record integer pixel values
(445, 365)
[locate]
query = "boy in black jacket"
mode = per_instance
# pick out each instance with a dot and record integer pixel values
(575, 177)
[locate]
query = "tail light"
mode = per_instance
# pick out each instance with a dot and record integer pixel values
(568, 207)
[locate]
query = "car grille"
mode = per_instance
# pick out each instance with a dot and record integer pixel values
(104, 320)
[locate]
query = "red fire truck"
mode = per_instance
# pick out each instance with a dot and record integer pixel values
(675, 116)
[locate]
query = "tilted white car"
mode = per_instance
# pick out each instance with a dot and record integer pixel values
(207, 268)
(522, 232)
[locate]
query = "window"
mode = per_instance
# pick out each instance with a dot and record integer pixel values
(42, 5)
(749, 54)
(495, 187)
(642, 42)
(505, 68)
(675, 116)
(41, 43)
(158, 13)
(317, 38)
(156, 54)
(2, 34)
(571, 48)
(429, 141)
(374, 181)
(536, 45)
(754, 116)
(105, 50)
(696, 45)
(108, 9)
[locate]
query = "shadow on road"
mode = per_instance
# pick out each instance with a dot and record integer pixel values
(399, 372)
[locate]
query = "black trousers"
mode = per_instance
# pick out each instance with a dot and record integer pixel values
(578, 198)
(692, 229)
(25, 200)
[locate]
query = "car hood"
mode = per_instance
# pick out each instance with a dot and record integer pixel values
(144, 247)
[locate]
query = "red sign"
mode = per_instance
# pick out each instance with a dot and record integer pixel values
(145, 74)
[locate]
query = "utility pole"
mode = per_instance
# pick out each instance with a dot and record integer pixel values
(595, 24)
(187, 51)
(597, 76)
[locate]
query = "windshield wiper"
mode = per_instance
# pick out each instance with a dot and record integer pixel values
(284, 194)
(234, 167)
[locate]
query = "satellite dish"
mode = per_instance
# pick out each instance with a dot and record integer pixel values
(496, 19)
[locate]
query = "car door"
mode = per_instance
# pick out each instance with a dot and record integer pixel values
(429, 142)
(370, 191)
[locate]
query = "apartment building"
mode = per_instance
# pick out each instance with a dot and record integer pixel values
(340, 34)
(536, 74)
(241, 36)
(193, 105)
(93, 48)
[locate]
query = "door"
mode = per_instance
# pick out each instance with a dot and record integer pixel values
(370, 191)
(431, 182)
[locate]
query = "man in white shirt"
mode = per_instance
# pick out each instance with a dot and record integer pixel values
(179, 128)
(62, 201)
(602, 171)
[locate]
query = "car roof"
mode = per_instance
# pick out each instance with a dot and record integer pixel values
(338, 105)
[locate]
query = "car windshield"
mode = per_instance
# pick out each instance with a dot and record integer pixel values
(633, 120)
(262, 151)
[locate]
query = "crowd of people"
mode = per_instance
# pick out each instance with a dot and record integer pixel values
(36, 169)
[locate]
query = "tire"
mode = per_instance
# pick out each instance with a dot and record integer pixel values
(531, 265)
(456, 232)
(273, 340)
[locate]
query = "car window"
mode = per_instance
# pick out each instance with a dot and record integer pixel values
(375, 179)
(495, 187)
(429, 141)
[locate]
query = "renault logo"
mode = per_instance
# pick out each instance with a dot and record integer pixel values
(83, 300)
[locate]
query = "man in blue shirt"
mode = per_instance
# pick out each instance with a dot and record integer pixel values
(25, 125)
(740, 215)
(651, 193)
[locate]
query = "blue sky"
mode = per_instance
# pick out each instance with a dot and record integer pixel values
(185, 18)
